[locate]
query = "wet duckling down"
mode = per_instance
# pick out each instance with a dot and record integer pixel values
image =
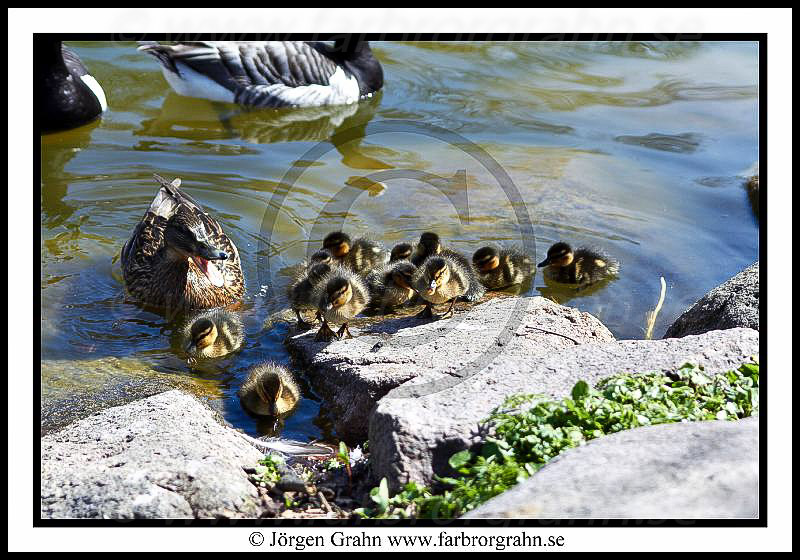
(269, 390)
(211, 334)
(581, 266)
(360, 255)
(501, 268)
(301, 289)
(340, 295)
(391, 285)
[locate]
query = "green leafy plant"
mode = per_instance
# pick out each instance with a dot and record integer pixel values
(530, 430)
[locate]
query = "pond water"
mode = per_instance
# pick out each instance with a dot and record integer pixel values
(634, 148)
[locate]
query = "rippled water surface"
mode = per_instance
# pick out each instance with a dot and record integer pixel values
(634, 148)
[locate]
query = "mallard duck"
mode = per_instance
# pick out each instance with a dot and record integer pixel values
(271, 73)
(67, 96)
(178, 256)
(269, 390)
(390, 285)
(361, 255)
(340, 296)
(211, 334)
(582, 266)
(401, 251)
(440, 279)
(301, 290)
(498, 269)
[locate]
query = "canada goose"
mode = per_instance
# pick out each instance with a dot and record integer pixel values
(271, 73)
(67, 96)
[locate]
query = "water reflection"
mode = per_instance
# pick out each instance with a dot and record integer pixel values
(199, 121)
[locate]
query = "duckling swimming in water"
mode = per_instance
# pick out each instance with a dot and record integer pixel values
(269, 390)
(582, 266)
(440, 279)
(340, 295)
(401, 251)
(360, 255)
(390, 285)
(431, 245)
(211, 334)
(178, 256)
(501, 269)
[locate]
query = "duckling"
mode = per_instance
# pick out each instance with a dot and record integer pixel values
(178, 256)
(430, 244)
(301, 290)
(501, 269)
(582, 266)
(211, 334)
(440, 279)
(390, 285)
(401, 251)
(269, 390)
(360, 255)
(340, 295)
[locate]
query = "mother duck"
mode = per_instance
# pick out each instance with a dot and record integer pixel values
(178, 256)
(67, 96)
(271, 73)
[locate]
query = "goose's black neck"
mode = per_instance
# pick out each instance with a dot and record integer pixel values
(355, 54)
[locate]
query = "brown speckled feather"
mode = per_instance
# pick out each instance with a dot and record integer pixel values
(154, 279)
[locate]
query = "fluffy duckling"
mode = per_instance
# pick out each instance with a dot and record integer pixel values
(498, 269)
(360, 255)
(401, 251)
(431, 245)
(340, 295)
(440, 279)
(212, 334)
(582, 266)
(390, 285)
(301, 290)
(269, 390)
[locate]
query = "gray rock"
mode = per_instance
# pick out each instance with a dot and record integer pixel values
(411, 438)
(352, 375)
(729, 305)
(165, 456)
(692, 470)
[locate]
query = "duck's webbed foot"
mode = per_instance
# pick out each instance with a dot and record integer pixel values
(302, 324)
(325, 333)
(342, 330)
(426, 313)
(449, 311)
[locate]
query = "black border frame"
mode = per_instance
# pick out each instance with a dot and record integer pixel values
(761, 521)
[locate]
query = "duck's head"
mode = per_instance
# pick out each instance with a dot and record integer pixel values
(560, 254)
(186, 238)
(203, 335)
(318, 271)
(337, 293)
(403, 275)
(437, 274)
(338, 243)
(322, 256)
(486, 259)
(274, 397)
(401, 251)
(430, 243)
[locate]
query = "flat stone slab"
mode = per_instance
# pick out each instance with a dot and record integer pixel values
(412, 435)
(691, 470)
(422, 357)
(165, 456)
(729, 305)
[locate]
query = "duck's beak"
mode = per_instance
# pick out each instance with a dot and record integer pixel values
(203, 258)
(543, 263)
